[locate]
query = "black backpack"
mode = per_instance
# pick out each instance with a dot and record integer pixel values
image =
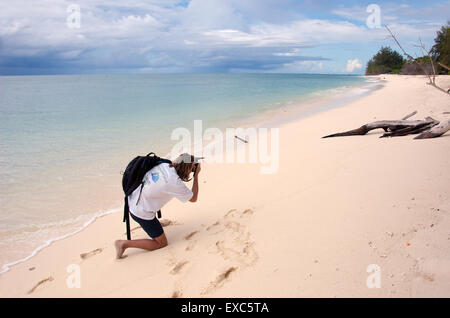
(133, 178)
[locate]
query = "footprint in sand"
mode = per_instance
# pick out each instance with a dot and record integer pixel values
(230, 212)
(178, 267)
(234, 246)
(212, 225)
(190, 235)
(48, 279)
(190, 246)
(91, 253)
(243, 252)
(177, 294)
(166, 222)
(219, 281)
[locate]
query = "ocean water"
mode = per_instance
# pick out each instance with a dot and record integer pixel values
(64, 140)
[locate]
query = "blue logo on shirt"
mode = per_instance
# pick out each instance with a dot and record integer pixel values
(155, 176)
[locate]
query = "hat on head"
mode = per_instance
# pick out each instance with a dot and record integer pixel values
(187, 158)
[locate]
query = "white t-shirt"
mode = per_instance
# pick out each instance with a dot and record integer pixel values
(162, 183)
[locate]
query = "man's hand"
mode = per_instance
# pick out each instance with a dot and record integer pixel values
(197, 170)
(195, 184)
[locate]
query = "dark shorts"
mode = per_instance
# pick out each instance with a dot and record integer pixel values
(152, 227)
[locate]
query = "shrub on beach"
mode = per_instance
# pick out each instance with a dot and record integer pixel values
(414, 69)
(385, 61)
(441, 48)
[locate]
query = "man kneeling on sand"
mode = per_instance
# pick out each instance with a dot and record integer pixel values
(162, 183)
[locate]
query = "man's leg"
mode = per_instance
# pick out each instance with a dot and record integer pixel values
(146, 244)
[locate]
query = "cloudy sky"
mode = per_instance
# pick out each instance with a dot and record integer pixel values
(161, 36)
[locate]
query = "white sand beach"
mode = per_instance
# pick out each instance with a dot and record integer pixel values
(335, 207)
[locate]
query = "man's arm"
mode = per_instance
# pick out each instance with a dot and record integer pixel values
(195, 185)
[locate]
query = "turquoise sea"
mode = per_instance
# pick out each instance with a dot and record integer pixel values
(65, 139)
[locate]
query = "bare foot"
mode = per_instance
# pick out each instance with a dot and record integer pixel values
(119, 249)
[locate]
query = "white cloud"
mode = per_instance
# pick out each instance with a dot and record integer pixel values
(294, 52)
(300, 67)
(177, 33)
(302, 33)
(353, 65)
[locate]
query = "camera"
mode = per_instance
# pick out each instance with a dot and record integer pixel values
(196, 160)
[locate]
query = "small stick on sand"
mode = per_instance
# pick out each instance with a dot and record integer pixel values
(410, 115)
(243, 140)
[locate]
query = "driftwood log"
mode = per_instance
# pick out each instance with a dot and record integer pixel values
(413, 129)
(436, 131)
(390, 127)
(429, 128)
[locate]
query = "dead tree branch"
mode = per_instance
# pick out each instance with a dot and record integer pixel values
(427, 53)
(444, 66)
(431, 78)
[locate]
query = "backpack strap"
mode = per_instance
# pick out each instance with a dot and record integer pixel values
(140, 192)
(126, 217)
(163, 161)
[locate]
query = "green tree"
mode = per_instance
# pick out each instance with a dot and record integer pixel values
(385, 61)
(441, 49)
